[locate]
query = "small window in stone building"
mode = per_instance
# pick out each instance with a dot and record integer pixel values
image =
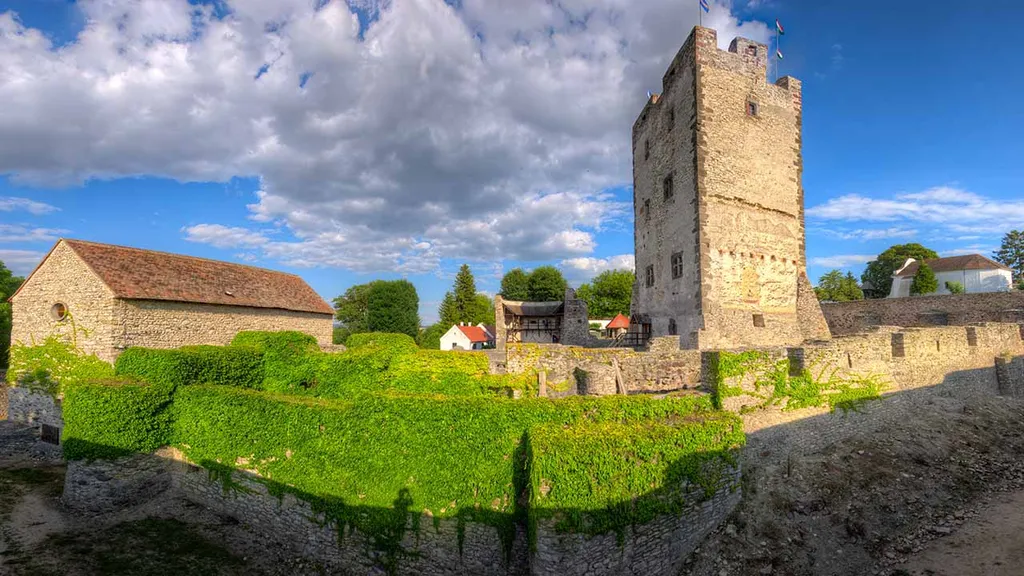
(649, 276)
(752, 50)
(671, 118)
(751, 108)
(59, 312)
(672, 331)
(647, 149)
(758, 320)
(677, 265)
(647, 210)
(49, 434)
(666, 187)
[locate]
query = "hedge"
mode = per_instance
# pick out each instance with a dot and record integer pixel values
(290, 359)
(53, 365)
(599, 477)
(189, 365)
(114, 417)
(355, 459)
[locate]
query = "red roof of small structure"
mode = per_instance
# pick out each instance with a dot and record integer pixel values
(619, 321)
(475, 334)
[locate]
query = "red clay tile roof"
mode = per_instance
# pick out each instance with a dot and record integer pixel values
(953, 263)
(475, 333)
(135, 274)
(619, 321)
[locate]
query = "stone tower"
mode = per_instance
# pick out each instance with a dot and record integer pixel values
(718, 203)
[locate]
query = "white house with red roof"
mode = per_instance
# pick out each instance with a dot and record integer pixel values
(974, 272)
(467, 337)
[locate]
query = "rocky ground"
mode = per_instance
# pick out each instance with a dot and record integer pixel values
(939, 493)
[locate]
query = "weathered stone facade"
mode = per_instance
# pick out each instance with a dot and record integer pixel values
(101, 323)
(718, 203)
(959, 310)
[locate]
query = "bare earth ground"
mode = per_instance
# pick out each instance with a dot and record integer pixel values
(940, 493)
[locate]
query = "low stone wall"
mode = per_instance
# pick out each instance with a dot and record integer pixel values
(1010, 376)
(446, 547)
(662, 367)
(31, 407)
(657, 548)
(851, 317)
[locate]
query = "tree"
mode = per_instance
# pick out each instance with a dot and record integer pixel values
(609, 293)
(546, 284)
(835, 287)
(393, 306)
(351, 308)
(515, 285)
(483, 310)
(955, 287)
(9, 283)
(430, 338)
(465, 294)
(1011, 253)
(880, 270)
(447, 311)
(924, 281)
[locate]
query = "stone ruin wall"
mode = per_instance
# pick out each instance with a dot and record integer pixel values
(444, 548)
(954, 310)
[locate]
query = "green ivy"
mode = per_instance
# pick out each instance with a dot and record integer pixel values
(595, 478)
(774, 385)
(114, 417)
(290, 359)
(226, 365)
(53, 365)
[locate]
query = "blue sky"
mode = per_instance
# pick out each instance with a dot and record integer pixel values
(386, 139)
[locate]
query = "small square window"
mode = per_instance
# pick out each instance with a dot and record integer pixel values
(649, 276)
(758, 320)
(752, 50)
(49, 434)
(671, 118)
(647, 210)
(647, 149)
(752, 108)
(666, 187)
(677, 265)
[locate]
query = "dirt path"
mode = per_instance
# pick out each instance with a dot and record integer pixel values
(992, 544)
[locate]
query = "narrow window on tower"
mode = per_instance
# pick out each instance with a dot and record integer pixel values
(649, 276)
(672, 330)
(671, 119)
(677, 265)
(647, 210)
(647, 149)
(751, 108)
(666, 186)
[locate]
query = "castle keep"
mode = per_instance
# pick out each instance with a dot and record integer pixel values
(718, 204)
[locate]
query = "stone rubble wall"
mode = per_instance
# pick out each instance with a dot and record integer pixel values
(663, 367)
(954, 310)
(1010, 376)
(31, 407)
(656, 548)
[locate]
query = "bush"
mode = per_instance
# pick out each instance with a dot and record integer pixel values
(54, 364)
(924, 281)
(393, 343)
(601, 477)
(114, 417)
(290, 359)
(226, 365)
(955, 287)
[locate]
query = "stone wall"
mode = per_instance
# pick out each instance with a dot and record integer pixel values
(31, 407)
(661, 368)
(158, 324)
(656, 548)
(851, 317)
(64, 278)
(1010, 376)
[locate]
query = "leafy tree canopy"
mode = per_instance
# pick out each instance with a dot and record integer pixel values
(430, 338)
(880, 270)
(1011, 254)
(835, 287)
(924, 281)
(546, 284)
(9, 283)
(351, 308)
(608, 294)
(515, 285)
(393, 306)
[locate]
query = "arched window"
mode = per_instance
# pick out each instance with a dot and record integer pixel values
(672, 326)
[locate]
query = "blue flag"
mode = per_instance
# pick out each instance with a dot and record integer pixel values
(704, 6)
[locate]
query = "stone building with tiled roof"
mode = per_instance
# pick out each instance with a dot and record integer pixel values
(974, 272)
(108, 298)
